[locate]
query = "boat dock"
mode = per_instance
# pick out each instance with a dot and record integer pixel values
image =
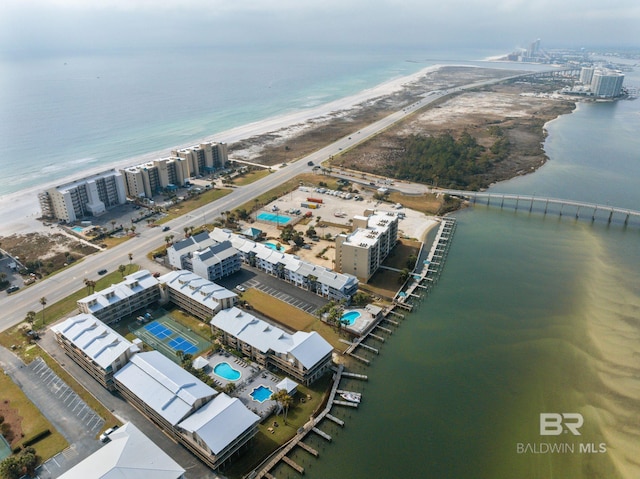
(428, 267)
(312, 425)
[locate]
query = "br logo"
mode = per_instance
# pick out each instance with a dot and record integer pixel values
(554, 424)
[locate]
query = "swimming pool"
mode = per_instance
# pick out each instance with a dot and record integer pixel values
(275, 247)
(350, 317)
(225, 371)
(261, 393)
(78, 229)
(274, 218)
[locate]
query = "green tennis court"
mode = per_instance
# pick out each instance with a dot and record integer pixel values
(166, 335)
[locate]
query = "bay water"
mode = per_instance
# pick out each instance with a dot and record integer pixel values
(533, 314)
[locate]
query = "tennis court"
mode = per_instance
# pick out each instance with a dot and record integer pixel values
(166, 335)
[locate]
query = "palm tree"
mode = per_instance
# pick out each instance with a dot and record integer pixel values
(282, 397)
(31, 318)
(113, 224)
(186, 231)
(43, 302)
(130, 259)
(122, 268)
(90, 284)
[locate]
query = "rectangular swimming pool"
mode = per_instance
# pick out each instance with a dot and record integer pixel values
(274, 218)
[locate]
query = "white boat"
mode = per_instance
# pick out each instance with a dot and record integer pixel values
(353, 397)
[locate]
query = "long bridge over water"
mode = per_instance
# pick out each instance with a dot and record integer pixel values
(544, 205)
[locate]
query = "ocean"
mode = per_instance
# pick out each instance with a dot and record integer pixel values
(533, 314)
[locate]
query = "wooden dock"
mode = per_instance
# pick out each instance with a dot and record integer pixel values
(308, 448)
(355, 376)
(322, 433)
(339, 422)
(293, 464)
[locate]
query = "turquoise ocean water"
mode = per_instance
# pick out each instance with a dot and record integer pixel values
(533, 314)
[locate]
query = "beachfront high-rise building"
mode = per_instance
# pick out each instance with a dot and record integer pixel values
(606, 83)
(151, 178)
(361, 252)
(90, 196)
(203, 158)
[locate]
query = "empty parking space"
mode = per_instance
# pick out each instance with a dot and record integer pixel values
(282, 296)
(66, 397)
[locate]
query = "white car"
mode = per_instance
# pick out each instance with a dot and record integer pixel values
(104, 437)
(241, 288)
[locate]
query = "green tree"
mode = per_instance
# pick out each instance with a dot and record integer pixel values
(122, 268)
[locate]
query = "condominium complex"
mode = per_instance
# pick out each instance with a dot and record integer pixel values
(361, 252)
(290, 268)
(153, 177)
(203, 158)
(211, 425)
(301, 355)
(205, 256)
(196, 295)
(606, 83)
(136, 292)
(94, 346)
(90, 196)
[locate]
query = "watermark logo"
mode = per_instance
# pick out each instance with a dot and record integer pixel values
(554, 424)
(557, 424)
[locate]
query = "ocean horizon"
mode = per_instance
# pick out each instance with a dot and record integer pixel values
(65, 114)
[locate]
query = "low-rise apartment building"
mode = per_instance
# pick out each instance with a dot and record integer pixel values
(205, 256)
(302, 356)
(94, 346)
(136, 292)
(196, 295)
(303, 274)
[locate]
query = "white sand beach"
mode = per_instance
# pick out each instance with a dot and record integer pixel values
(20, 210)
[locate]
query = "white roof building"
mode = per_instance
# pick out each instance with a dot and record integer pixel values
(128, 455)
(220, 425)
(137, 290)
(197, 295)
(302, 355)
(162, 388)
(291, 268)
(94, 346)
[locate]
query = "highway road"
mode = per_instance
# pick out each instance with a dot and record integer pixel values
(60, 285)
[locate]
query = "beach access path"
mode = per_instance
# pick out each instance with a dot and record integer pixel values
(61, 284)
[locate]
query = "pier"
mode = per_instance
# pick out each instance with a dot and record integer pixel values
(579, 210)
(428, 267)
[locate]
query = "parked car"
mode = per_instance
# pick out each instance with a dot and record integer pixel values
(102, 271)
(241, 288)
(104, 437)
(12, 289)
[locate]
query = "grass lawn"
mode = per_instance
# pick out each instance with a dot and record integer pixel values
(292, 317)
(383, 283)
(427, 203)
(31, 420)
(273, 308)
(194, 203)
(265, 442)
(400, 254)
(250, 177)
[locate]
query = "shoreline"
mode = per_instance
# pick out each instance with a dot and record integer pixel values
(21, 208)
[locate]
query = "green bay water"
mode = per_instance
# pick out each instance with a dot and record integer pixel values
(532, 314)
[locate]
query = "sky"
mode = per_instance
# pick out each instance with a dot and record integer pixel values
(40, 26)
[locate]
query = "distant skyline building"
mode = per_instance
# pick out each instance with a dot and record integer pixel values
(90, 196)
(586, 75)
